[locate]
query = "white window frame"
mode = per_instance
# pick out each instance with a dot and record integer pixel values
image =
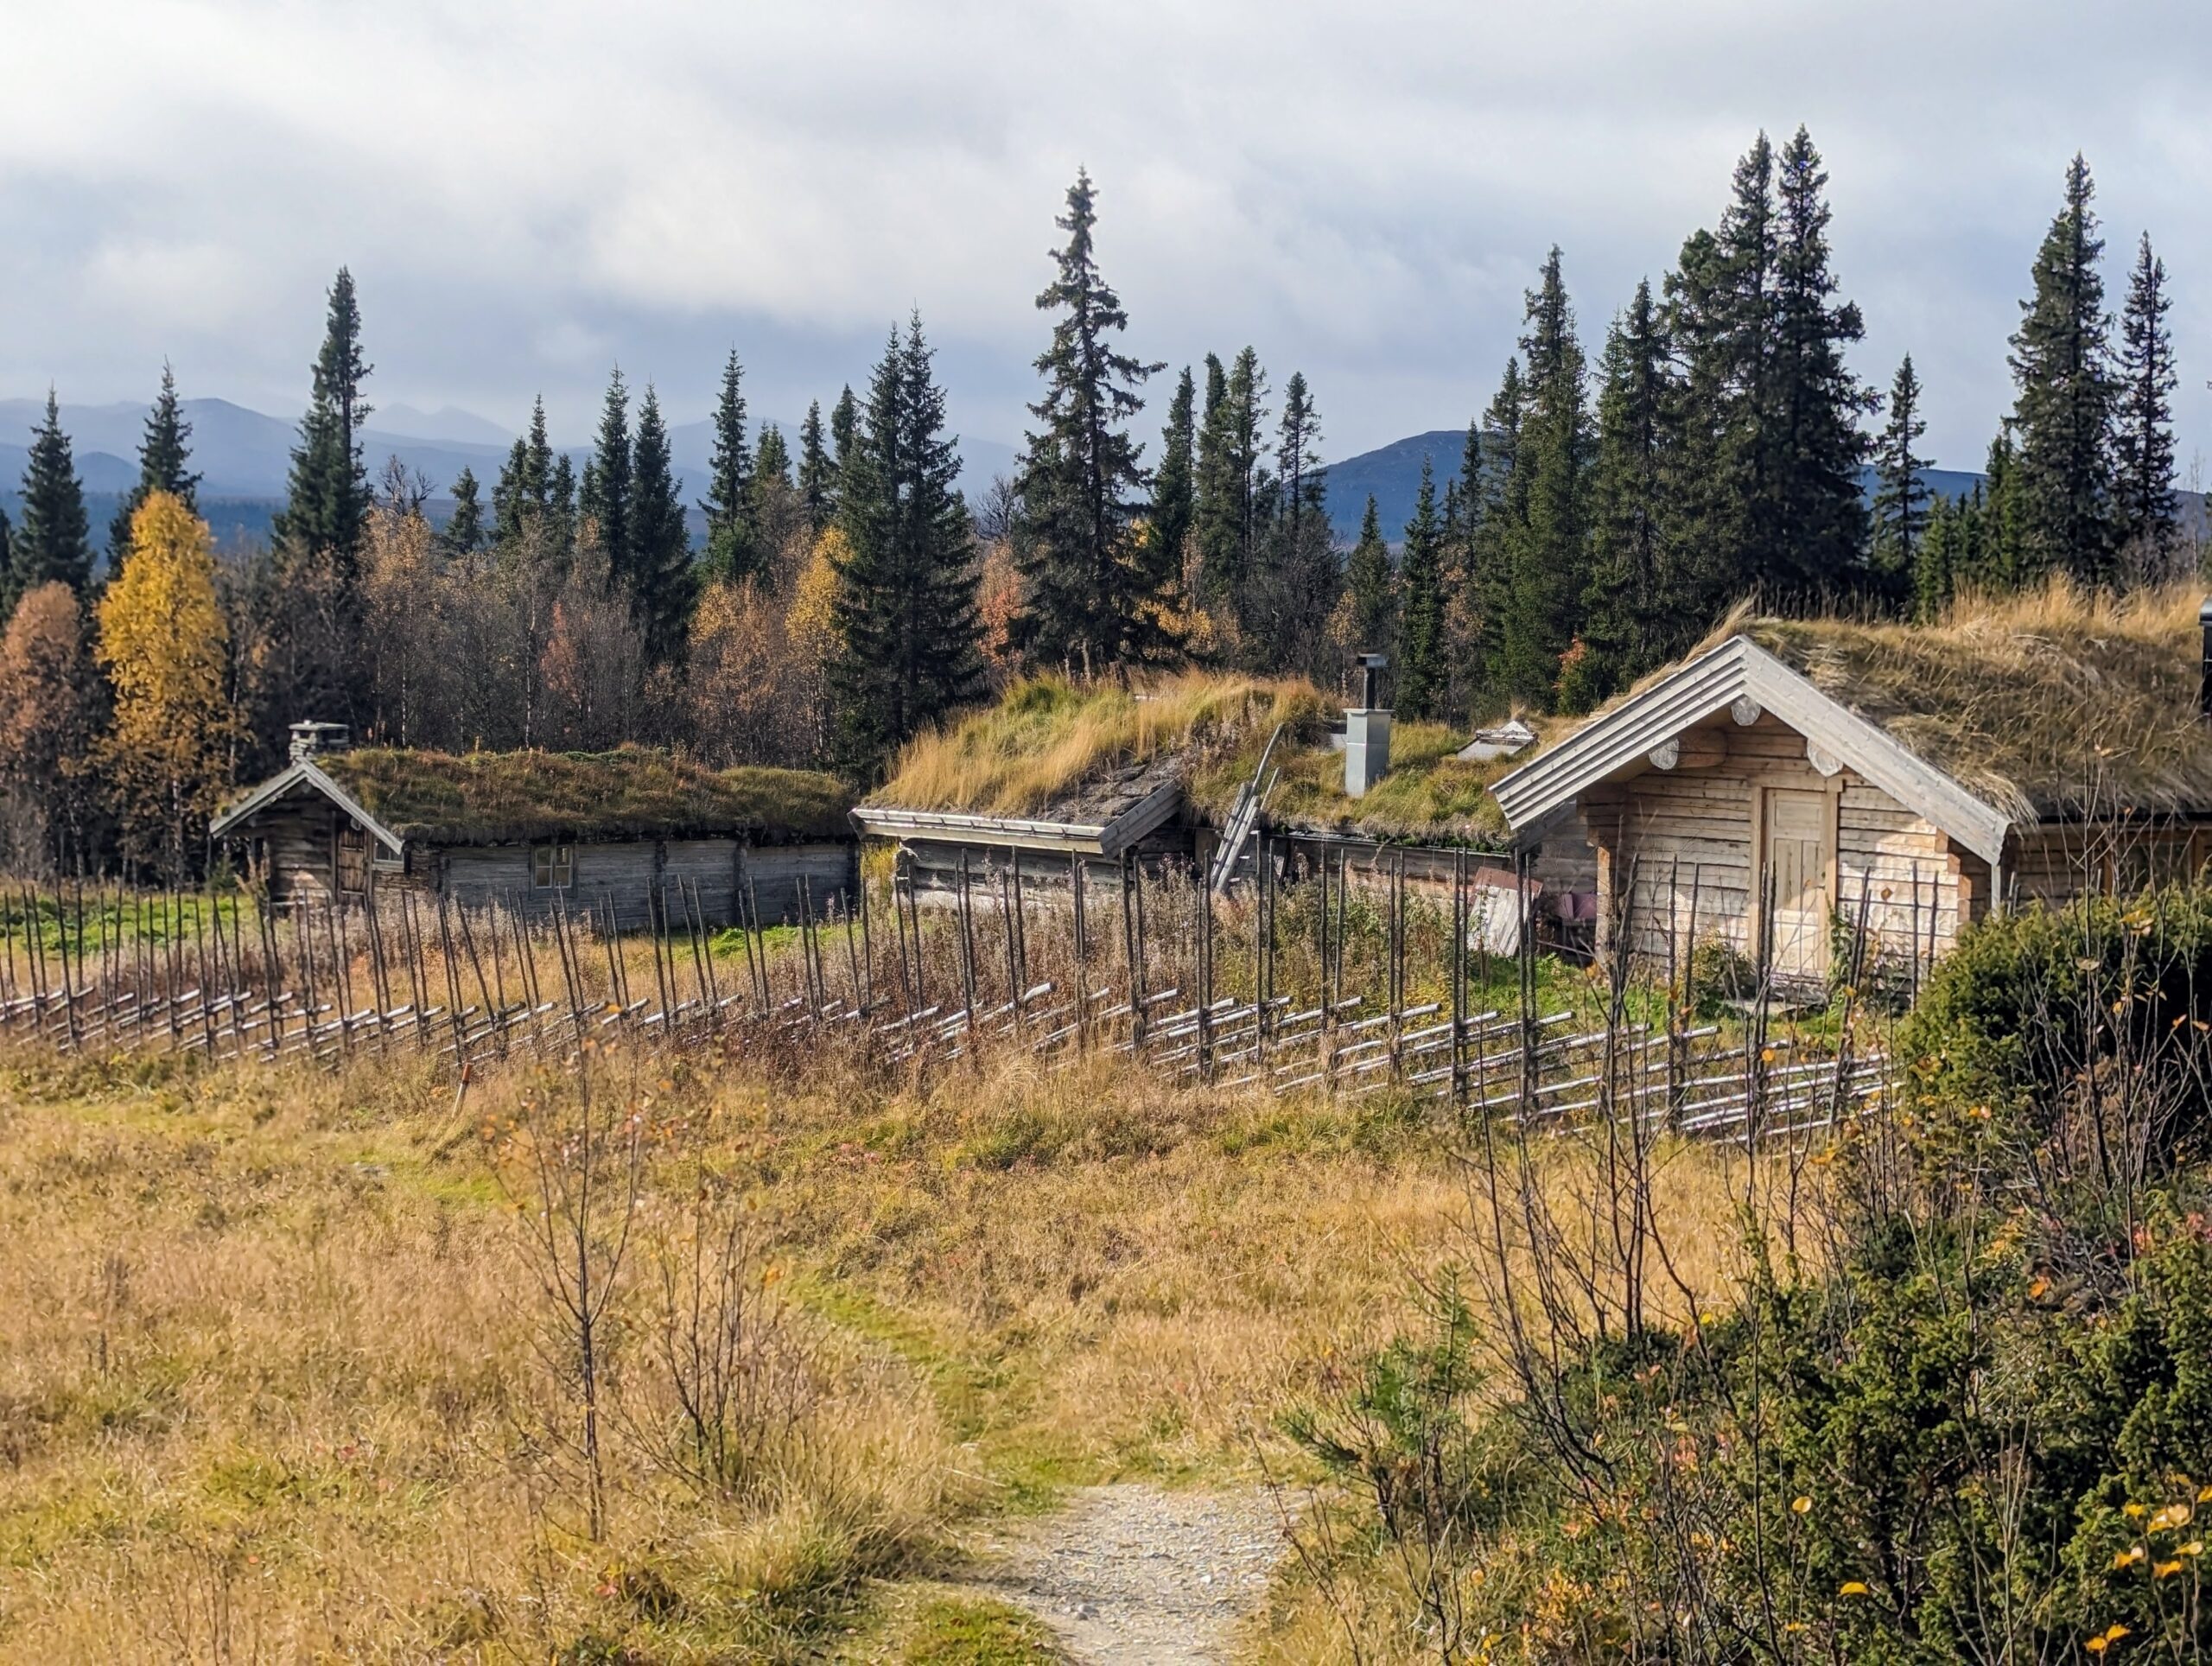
(552, 867)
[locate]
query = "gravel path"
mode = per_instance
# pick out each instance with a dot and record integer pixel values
(1133, 1575)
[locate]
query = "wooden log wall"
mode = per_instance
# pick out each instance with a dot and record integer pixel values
(1691, 838)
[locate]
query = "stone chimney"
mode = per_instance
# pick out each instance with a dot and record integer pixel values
(1367, 732)
(311, 739)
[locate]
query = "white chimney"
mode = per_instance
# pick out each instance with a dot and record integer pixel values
(1367, 733)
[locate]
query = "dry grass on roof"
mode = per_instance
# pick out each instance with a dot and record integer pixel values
(2055, 701)
(1049, 739)
(1430, 797)
(493, 797)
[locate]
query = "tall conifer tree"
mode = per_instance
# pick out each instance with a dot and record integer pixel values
(1174, 485)
(55, 540)
(1298, 455)
(2061, 362)
(905, 611)
(326, 503)
(163, 458)
(606, 496)
(844, 425)
(734, 551)
(817, 475)
(464, 528)
(1090, 597)
(1222, 485)
(2148, 514)
(1901, 514)
(1373, 588)
(1502, 503)
(1423, 673)
(1809, 429)
(1631, 612)
(1544, 538)
(772, 464)
(661, 581)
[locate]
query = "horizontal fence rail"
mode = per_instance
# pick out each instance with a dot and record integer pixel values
(1247, 992)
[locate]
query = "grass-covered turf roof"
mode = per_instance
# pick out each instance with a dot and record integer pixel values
(490, 797)
(1054, 750)
(2054, 704)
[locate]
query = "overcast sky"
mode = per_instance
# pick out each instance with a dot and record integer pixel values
(528, 192)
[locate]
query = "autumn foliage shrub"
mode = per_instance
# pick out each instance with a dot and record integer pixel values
(1958, 1405)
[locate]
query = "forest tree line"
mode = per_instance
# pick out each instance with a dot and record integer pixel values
(847, 596)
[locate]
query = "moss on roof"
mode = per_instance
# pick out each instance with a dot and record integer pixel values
(2053, 703)
(484, 798)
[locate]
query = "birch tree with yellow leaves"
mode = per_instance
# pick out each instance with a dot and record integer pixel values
(163, 642)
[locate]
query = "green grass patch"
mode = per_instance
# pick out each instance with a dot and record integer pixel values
(961, 1632)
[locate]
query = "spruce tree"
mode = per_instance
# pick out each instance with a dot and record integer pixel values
(1901, 514)
(734, 551)
(163, 456)
(525, 484)
(844, 425)
(327, 502)
(772, 464)
(606, 497)
(54, 541)
(1421, 669)
(817, 475)
(1089, 597)
(1740, 288)
(1502, 503)
(561, 500)
(905, 611)
(1936, 560)
(1373, 588)
(1231, 499)
(464, 528)
(1174, 485)
(2000, 560)
(1810, 430)
(1222, 486)
(1632, 611)
(2148, 517)
(1298, 455)
(1702, 512)
(2061, 366)
(661, 580)
(1544, 543)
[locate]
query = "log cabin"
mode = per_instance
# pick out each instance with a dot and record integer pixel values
(603, 833)
(1795, 777)
(1057, 776)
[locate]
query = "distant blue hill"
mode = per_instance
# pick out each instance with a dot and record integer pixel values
(245, 457)
(1392, 474)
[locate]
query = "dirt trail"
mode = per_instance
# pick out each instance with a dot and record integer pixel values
(1134, 1576)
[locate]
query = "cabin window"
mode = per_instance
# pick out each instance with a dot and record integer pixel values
(553, 866)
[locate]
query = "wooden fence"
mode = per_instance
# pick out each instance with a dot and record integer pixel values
(1240, 992)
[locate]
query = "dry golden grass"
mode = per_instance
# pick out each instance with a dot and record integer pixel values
(2045, 703)
(1048, 737)
(268, 1385)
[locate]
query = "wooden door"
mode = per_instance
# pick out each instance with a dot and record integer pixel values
(352, 864)
(1797, 870)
